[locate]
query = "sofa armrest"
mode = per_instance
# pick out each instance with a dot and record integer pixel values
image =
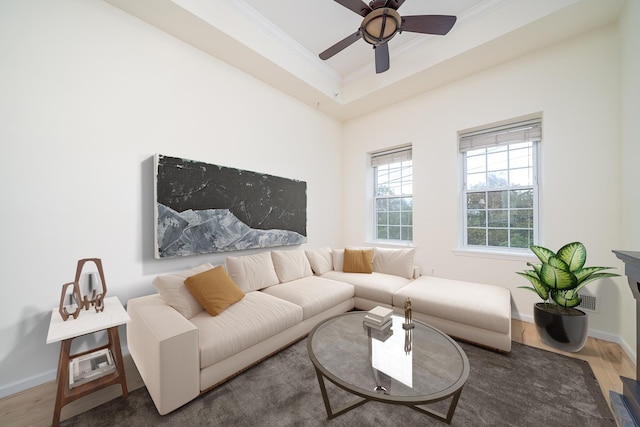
(164, 347)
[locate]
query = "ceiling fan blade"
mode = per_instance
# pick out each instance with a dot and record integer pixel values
(428, 24)
(358, 6)
(382, 57)
(342, 44)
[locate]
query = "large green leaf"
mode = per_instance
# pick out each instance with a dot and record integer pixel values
(538, 286)
(534, 291)
(593, 277)
(536, 267)
(531, 273)
(583, 274)
(558, 263)
(542, 253)
(574, 254)
(557, 278)
(566, 298)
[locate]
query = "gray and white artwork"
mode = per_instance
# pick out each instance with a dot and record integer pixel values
(203, 208)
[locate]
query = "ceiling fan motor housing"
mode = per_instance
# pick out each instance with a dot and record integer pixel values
(380, 25)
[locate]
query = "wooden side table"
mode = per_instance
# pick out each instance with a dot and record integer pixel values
(87, 322)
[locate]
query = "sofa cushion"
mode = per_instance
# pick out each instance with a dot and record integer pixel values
(378, 287)
(252, 272)
(394, 261)
(321, 260)
(337, 256)
(291, 265)
(214, 290)
(358, 261)
(255, 318)
(175, 294)
(314, 294)
(483, 306)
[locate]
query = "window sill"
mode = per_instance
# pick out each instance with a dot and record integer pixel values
(390, 243)
(510, 255)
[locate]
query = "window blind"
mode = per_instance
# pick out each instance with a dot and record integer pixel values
(391, 156)
(530, 130)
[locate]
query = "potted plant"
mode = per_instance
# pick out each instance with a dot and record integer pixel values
(557, 279)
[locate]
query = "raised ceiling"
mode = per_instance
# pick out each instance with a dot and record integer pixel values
(278, 42)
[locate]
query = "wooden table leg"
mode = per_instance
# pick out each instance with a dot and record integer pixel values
(62, 379)
(114, 343)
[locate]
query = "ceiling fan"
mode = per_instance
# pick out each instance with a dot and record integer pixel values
(382, 22)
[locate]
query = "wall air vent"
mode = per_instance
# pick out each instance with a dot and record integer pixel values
(588, 302)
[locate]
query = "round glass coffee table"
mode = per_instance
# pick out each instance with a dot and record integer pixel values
(410, 367)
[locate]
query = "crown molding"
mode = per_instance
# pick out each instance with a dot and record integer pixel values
(243, 9)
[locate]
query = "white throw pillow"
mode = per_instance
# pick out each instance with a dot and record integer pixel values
(252, 272)
(291, 265)
(321, 260)
(338, 259)
(398, 262)
(174, 293)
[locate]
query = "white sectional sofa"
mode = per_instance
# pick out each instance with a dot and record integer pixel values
(182, 351)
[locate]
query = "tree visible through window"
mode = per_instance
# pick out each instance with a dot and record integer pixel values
(393, 175)
(500, 191)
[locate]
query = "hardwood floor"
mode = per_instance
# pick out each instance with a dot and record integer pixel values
(34, 407)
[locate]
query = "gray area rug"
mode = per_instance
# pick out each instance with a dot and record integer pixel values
(528, 387)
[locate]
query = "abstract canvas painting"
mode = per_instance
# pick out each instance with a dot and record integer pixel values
(204, 208)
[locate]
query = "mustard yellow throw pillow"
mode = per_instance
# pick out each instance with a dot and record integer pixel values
(358, 261)
(214, 290)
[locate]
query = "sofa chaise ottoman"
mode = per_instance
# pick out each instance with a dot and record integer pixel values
(469, 311)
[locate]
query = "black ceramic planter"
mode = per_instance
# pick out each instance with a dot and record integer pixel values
(561, 331)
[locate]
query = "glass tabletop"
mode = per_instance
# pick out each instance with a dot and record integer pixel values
(420, 364)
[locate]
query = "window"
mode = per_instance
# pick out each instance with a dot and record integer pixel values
(500, 185)
(393, 187)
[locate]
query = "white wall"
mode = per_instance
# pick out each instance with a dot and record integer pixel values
(575, 85)
(630, 153)
(88, 95)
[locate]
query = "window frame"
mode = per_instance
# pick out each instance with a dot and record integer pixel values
(403, 151)
(535, 186)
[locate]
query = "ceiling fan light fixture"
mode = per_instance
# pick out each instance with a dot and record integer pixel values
(380, 25)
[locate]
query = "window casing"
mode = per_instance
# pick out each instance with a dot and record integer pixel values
(500, 191)
(393, 194)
